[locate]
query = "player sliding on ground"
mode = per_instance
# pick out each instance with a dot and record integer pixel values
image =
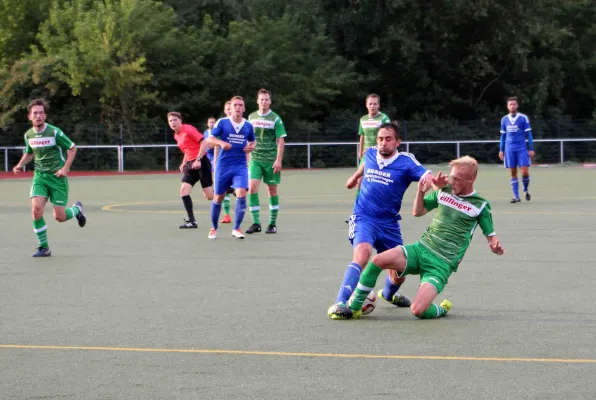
(442, 246)
(386, 175)
(47, 144)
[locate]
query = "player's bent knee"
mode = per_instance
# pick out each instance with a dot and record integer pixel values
(418, 309)
(272, 190)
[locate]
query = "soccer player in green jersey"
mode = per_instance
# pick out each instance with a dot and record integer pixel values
(47, 145)
(265, 161)
(442, 246)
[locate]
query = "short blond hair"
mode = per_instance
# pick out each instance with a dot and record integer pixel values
(466, 162)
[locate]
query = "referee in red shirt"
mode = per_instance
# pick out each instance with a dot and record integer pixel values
(195, 165)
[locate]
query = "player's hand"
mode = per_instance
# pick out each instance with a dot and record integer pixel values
(495, 246)
(17, 169)
(224, 145)
(501, 155)
(352, 182)
(276, 166)
(62, 172)
(196, 164)
(440, 181)
(249, 147)
(424, 185)
(531, 154)
(181, 167)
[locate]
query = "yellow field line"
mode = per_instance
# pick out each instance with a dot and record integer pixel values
(300, 354)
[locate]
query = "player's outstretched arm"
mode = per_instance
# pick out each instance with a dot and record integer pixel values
(217, 142)
(495, 245)
(26, 159)
(353, 180)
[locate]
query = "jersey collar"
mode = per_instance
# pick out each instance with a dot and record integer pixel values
(45, 126)
(385, 162)
(264, 115)
(236, 126)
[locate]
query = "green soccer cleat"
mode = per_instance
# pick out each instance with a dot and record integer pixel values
(398, 300)
(446, 304)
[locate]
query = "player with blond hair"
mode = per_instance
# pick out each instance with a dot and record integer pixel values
(442, 246)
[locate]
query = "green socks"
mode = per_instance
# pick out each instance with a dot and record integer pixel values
(433, 311)
(367, 283)
(273, 209)
(254, 207)
(41, 231)
(226, 205)
(71, 212)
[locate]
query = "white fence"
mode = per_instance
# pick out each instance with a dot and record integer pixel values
(121, 149)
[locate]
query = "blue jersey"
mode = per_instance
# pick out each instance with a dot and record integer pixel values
(210, 152)
(384, 183)
(514, 129)
(238, 135)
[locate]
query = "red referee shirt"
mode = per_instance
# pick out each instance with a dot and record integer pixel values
(188, 139)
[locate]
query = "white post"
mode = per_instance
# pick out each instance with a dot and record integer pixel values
(5, 160)
(167, 158)
(120, 159)
(562, 153)
(457, 150)
(308, 155)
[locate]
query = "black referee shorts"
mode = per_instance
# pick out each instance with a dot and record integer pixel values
(204, 174)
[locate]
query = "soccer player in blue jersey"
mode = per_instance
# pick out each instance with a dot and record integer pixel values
(386, 174)
(515, 127)
(235, 137)
(212, 155)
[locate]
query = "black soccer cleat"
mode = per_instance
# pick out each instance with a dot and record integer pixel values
(254, 228)
(528, 197)
(515, 200)
(189, 225)
(82, 218)
(43, 252)
(271, 229)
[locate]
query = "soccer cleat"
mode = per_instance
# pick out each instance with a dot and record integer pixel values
(231, 191)
(528, 197)
(515, 200)
(237, 234)
(212, 234)
(446, 304)
(82, 218)
(189, 225)
(347, 221)
(226, 219)
(271, 229)
(398, 300)
(254, 228)
(43, 252)
(341, 311)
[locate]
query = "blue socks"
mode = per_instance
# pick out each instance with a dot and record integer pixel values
(390, 289)
(240, 211)
(215, 211)
(349, 283)
(515, 187)
(526, 182)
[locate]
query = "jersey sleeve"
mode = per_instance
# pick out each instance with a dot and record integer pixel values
(28, 148)
(431, 200)
(251, 134)
(416, 170)
(280, 129)
(194, 132)
(485, 220)
(63, 141)
(360, 130)
(385, 120)
(216, 131)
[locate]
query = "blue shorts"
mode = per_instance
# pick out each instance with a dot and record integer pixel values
(381, 235)
(517, 158)
(231, 176)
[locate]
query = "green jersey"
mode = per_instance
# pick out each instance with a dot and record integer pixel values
(49, 148)
(268, 128)
(369, 128)
(452, 227)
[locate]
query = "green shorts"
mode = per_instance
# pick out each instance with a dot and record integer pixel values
(421, 261)
(51, 187)
(263, 170)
